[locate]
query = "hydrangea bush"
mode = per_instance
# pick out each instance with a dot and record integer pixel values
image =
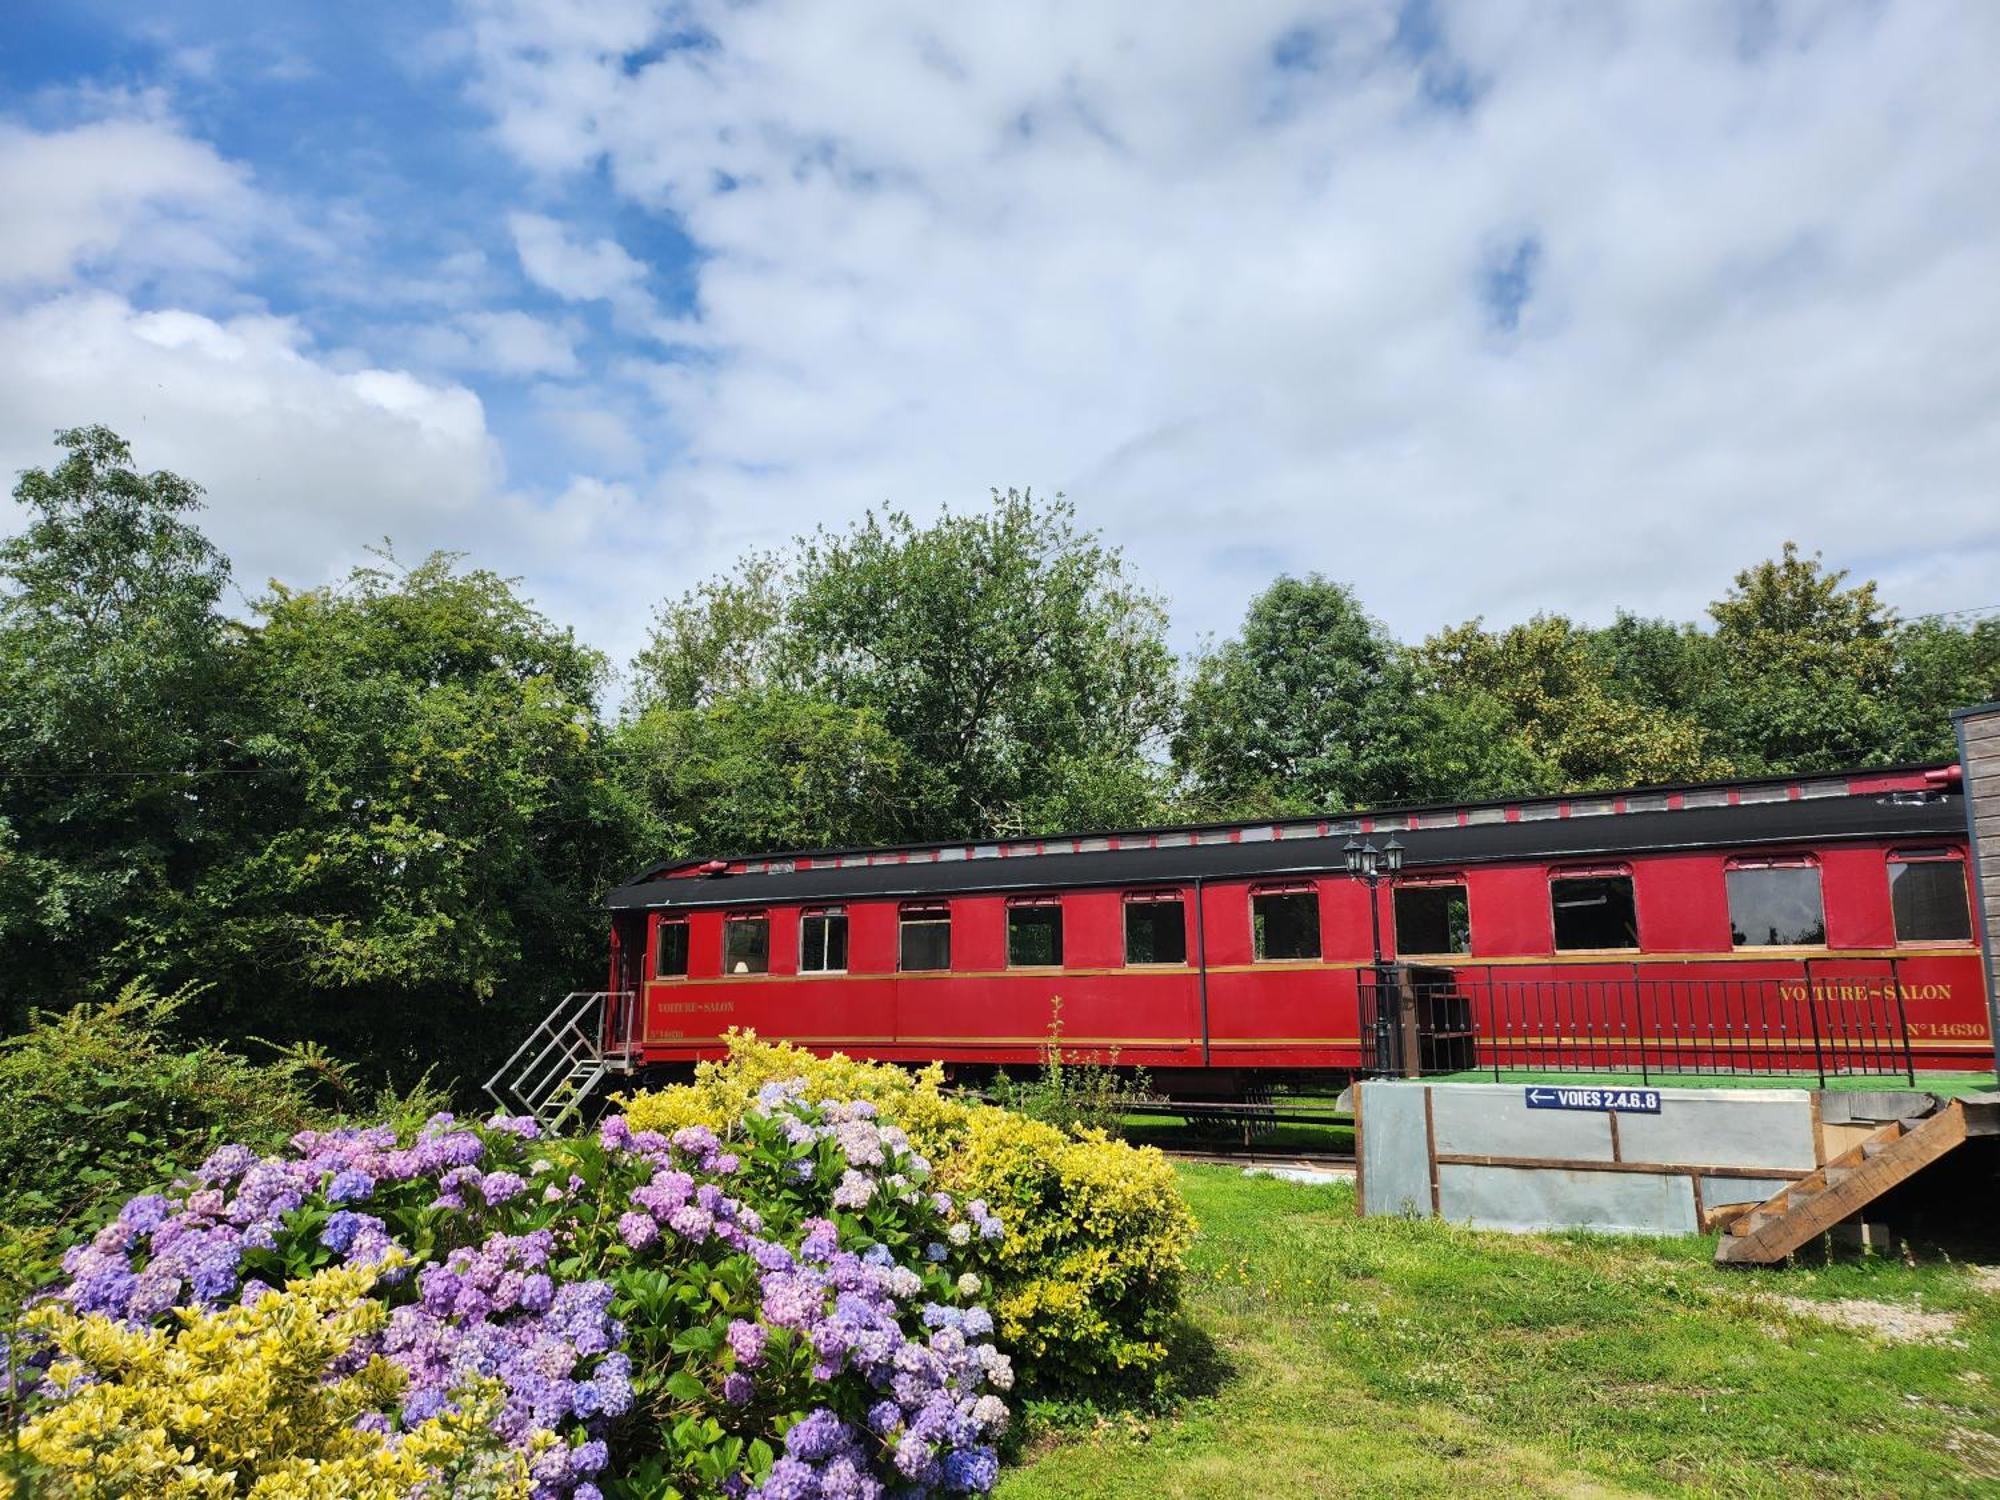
(1086, 1287)
(800, 1313)
(264, 1397)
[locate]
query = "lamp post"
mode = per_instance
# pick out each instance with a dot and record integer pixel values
(1370, 863)
(1394, 1046)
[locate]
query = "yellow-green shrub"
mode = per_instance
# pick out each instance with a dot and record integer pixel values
(723, 1091)
(239, 1402)
(1088, 1280)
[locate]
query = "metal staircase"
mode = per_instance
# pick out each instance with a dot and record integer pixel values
(587, 1037)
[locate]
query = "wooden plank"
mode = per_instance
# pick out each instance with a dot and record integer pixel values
(1984, 728)
(1360, 1161)
(1843, 1166)
(1844, 1142)
(1899, 1161)
(1598, 1164)
(1728, 1216)
(1431, 1149)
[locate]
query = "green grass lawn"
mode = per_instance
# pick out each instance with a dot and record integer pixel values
(1172, 1132)
(1328, 1355)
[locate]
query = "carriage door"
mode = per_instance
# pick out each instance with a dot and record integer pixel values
(628, 961)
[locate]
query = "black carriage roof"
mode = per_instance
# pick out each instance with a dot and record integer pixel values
(1780, 810)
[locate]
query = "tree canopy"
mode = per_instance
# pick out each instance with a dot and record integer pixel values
(382, 813)
(1021, 676)
(1306, 709)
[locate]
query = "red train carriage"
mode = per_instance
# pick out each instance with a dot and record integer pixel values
(1770, 925)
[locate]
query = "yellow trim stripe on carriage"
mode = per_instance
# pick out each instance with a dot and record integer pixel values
(1599, 958)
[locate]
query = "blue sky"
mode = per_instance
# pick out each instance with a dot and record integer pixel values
(1488, 308)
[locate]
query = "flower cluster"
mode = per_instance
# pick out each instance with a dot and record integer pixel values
(263, 1396)
(490, 1312)
(911, 1375)
(718, 1299)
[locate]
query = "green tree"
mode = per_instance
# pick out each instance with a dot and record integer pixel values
(719, 639)
(766, 768)
(113, 666)
(431, 821)
(1939, 666)
(1466, 745)
(1556, 702)
(1307, 708)
(1806, 667)
(1023, 676)
(1664, 664)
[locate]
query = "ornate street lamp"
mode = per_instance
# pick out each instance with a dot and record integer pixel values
(1370, 864)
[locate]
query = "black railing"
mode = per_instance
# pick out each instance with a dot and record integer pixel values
(1417, 1021)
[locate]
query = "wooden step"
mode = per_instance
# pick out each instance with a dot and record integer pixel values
(1808, 1208)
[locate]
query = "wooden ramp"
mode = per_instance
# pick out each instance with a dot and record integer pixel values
(1800, 1213)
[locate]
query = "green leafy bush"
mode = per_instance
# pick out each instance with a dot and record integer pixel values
(260, 1398)
(103, 1099)
(1073, 1092)
(1088, 1285)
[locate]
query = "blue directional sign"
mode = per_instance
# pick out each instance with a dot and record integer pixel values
(1625, 1101)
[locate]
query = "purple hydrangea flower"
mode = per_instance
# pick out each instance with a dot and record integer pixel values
(498, 1187)
(746, 1342)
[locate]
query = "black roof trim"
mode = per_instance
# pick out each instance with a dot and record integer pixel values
(1740, 826)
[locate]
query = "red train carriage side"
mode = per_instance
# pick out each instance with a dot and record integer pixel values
(1757, 925)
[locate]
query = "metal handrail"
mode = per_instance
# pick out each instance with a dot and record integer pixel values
(567, 1054)
(1762, 1025)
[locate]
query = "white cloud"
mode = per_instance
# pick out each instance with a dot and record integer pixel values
(136, 188)
(1236, 309)
(308, 454)
(303, 465)
(595, 271)
(504, 342)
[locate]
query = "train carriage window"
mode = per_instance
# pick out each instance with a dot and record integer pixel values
(823, 940)
(1155, 928)
(746, 943)
(1034, 932)
(1284, 921)
(1774, 903)
(1927, 894)
(1433, 917)
(1594, 909)
(924, 940)
(671, 955)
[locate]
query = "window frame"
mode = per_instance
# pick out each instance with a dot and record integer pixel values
(1745, 863)
(660, 927)
(1152, 896)
(824, 913)
(1423, 883)
(1594, 872)
(744, 917)
(904, 915)
(1930, 854)
(1032, 903)
(1288, 888)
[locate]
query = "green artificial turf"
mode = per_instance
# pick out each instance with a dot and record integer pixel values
(1327, 1355)
(1947, 1085)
